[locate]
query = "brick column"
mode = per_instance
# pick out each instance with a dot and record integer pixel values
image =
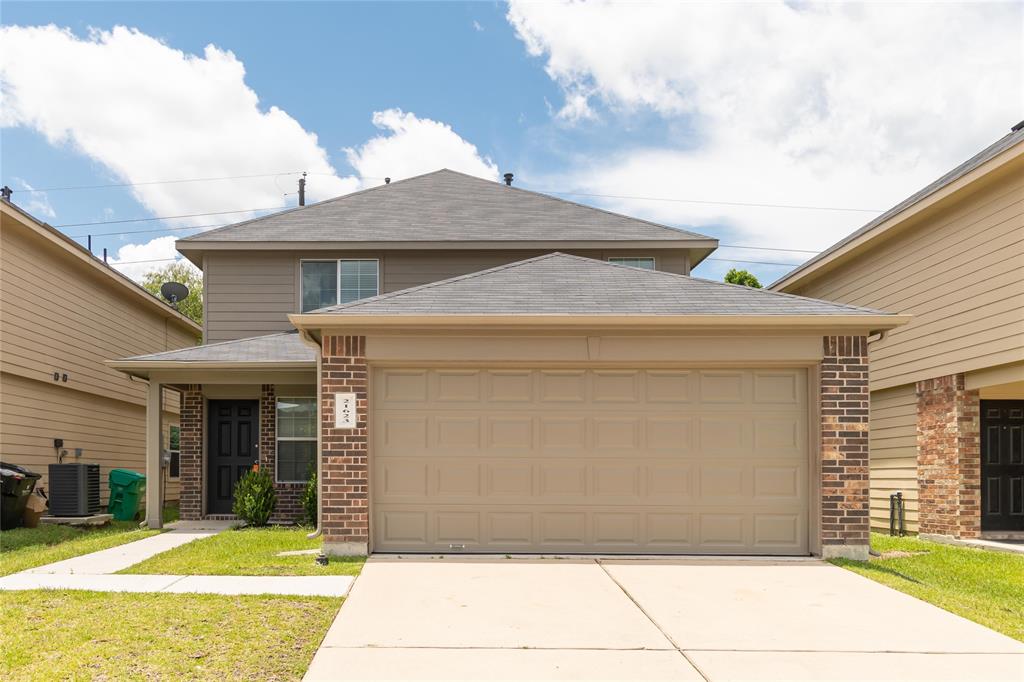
(845, 406)
(948, 458)
(344, 488)
(289, 495)
(191, 458)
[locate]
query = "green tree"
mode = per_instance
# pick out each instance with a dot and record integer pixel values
(743, 278)
(183, 272)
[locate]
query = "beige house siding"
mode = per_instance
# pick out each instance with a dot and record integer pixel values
(893, 442)
(959, 274)
(251, 293)
(61, 312)
(109, 432)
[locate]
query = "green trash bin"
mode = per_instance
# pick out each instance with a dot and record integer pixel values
(127, 489)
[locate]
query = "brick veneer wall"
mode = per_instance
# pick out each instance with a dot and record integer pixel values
(289, 495)
(948, 458)
(191, 458)
(344, 488)
(845, 407)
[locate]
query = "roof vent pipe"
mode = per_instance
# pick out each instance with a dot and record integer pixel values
(508, 179)
(387, 181)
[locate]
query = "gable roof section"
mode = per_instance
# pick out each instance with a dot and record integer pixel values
(443, 206)
(564, 286)
(892, 217)
(79, 253)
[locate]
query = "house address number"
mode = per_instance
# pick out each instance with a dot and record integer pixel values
(344, 410)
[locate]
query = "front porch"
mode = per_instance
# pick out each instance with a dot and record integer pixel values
(243, 403)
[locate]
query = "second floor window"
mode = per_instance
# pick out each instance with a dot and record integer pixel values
(329, 282)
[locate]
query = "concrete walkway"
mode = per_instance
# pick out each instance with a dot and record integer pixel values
(714, 619)
(96, 571)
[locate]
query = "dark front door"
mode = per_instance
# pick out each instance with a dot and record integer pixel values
(232, 449)
(1002, 465)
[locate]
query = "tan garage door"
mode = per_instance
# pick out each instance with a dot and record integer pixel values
(573, 460)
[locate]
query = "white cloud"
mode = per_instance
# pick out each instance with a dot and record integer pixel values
(149, 112)
(413, 146)
(135, 260)
(37, 203)
(820, 103)
(477, 26)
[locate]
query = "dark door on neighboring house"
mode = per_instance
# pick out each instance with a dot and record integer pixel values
(1002, 465)
(232, 449)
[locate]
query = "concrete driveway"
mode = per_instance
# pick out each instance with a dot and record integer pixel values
(694, 619)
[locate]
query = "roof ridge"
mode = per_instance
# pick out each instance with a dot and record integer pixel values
(293, 209)
(431, 285)
(593, 208)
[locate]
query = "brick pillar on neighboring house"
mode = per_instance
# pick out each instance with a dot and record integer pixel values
(948, 458)
(845, 407)
(289, 495)
(344, 488)
(190, 467)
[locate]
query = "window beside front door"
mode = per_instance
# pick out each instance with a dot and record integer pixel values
(174, 450)
(329, 282)
(645, 263)
(296, 439)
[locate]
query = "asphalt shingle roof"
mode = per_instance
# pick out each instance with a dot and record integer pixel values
(273, 348)
(443, 206)
(560, 284)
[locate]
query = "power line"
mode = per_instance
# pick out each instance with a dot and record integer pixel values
(170, 217)
(722, 203)
(155, 229)
(755, 262)
(548, 191)
(156, 182)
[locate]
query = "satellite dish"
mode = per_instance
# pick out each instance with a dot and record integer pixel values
(174, 292)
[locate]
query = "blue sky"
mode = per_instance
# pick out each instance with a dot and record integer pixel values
(676, 113)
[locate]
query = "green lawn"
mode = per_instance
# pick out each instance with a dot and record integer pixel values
(24, 548)
(247, 551)
(984, 586)
(64, 635)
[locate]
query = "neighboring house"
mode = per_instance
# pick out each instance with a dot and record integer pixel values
(486, 369)
(63, 314)
(947, 390)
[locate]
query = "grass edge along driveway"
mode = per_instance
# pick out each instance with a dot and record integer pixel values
(50, 634)
(248, 551)
(984, 586)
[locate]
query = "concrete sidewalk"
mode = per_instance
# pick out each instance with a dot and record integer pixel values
(121, 557)
(96, 571)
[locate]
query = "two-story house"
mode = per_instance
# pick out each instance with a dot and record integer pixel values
(63, 314)
(947, 390)
(474, 367)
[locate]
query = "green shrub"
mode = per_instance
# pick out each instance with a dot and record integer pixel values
(309, 501)
(254, 498)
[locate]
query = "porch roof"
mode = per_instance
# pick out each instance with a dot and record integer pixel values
(283, 350)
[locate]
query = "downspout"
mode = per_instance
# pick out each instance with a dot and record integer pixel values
(308, 339)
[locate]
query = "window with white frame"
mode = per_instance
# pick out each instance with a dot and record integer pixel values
(174, 450)
(329, 282)
(645, 263)
(296, 439)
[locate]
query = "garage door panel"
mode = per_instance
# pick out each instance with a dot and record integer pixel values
(629, 461)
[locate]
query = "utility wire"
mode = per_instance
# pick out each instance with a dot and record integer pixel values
(171, 217)
(547, 191)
